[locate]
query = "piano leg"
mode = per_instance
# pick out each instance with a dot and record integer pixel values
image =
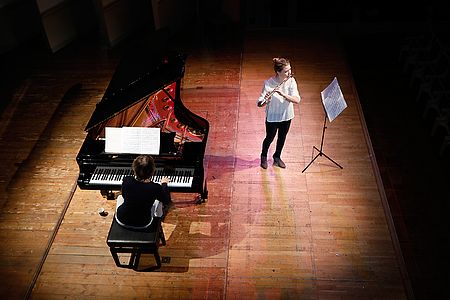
(200, 199)
(203, 196)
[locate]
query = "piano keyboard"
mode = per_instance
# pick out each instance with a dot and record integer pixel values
(179, 177)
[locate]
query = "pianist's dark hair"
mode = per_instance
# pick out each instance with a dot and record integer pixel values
(143, 167)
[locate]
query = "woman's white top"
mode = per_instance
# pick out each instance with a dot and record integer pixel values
(279, 109)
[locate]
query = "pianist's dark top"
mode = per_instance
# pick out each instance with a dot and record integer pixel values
(145, 92)
(138, 201)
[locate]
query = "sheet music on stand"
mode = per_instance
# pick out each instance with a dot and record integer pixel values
(333, 100)
(133, 140)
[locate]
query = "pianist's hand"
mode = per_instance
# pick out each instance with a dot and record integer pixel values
(165, 180)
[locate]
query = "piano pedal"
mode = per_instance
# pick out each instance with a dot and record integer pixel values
(109, 195)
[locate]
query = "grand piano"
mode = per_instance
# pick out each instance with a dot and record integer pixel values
(145, 92)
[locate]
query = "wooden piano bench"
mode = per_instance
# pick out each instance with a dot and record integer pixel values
(135, 242)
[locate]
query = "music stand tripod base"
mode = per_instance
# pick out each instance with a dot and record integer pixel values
(320, 153)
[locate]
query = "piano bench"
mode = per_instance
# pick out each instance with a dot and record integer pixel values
(135, 242)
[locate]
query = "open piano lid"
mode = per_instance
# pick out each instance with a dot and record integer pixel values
(141, 73)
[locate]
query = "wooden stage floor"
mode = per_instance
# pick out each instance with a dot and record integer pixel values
(263, 234)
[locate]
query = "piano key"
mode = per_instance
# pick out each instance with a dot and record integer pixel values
(109, 175)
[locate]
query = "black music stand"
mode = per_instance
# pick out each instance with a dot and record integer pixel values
(320, 152)
(333, 103)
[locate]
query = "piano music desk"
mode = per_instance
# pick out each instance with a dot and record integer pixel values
(135, 242)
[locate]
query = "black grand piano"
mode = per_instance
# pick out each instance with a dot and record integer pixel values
(146, 93)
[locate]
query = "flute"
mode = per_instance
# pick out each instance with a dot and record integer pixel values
(269, 94)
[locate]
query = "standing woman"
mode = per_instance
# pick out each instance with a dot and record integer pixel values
(139, 192)
(279, 94)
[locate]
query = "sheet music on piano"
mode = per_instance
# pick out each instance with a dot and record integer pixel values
(133, 140)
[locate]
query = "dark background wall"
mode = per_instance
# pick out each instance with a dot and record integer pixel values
(57, 23)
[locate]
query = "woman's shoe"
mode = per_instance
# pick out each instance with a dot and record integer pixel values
(278, 162)
(264, 162)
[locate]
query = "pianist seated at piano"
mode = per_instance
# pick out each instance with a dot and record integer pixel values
(139, 192)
